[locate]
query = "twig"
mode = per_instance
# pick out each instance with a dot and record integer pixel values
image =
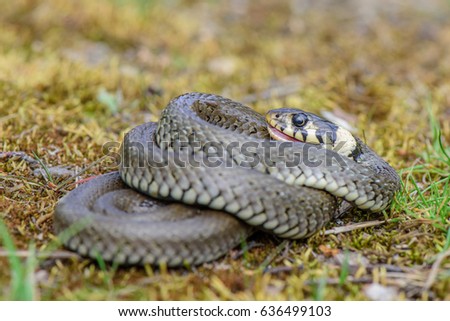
(335, 281)
(43, 218)
(20, 179)
(284, 269)
(7, 117)
(60, 254)
(435, 269)
(391, 268)
(250, 245)
(67, 180)
(23, 156)
(263, 266)
(356, 226)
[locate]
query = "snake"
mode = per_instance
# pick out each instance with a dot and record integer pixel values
(213, 171)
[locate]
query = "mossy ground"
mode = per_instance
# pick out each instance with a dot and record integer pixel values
(77, 74)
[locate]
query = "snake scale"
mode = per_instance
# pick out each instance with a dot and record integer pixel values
(202, 179)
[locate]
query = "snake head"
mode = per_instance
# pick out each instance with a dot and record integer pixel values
(290, 124)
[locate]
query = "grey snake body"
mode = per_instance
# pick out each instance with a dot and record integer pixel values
(207, 158)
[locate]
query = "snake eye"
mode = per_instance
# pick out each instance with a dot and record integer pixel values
(299, 119)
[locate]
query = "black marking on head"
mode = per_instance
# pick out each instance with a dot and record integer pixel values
(332, 135)
(356, 152)
(319, 136)
(304, 134)
(327, 131)
(326, 135)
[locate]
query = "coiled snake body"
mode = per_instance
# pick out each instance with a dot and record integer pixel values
(207, 158)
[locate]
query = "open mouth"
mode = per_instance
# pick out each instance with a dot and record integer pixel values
(278, 135)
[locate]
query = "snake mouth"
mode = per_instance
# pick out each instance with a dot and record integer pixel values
(279, 135)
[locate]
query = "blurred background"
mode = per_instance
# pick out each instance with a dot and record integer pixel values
(331, 53)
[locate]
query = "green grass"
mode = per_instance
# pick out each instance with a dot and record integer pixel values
(45, 168)
(344, 270)
(434, 199)
(319, 289)
(22, 285)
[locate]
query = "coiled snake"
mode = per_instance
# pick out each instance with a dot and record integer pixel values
(207, 158)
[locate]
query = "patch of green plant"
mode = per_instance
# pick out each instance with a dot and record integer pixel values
(22, 284)
(425, 189)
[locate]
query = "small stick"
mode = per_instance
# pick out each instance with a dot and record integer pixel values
(435, 269)
(43, 255)
(67, 180)
(22, 155)
(356, 226)
(263, 266)
(335, 281)
(43, 218)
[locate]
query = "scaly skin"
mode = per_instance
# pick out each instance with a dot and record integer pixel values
(290, 194)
